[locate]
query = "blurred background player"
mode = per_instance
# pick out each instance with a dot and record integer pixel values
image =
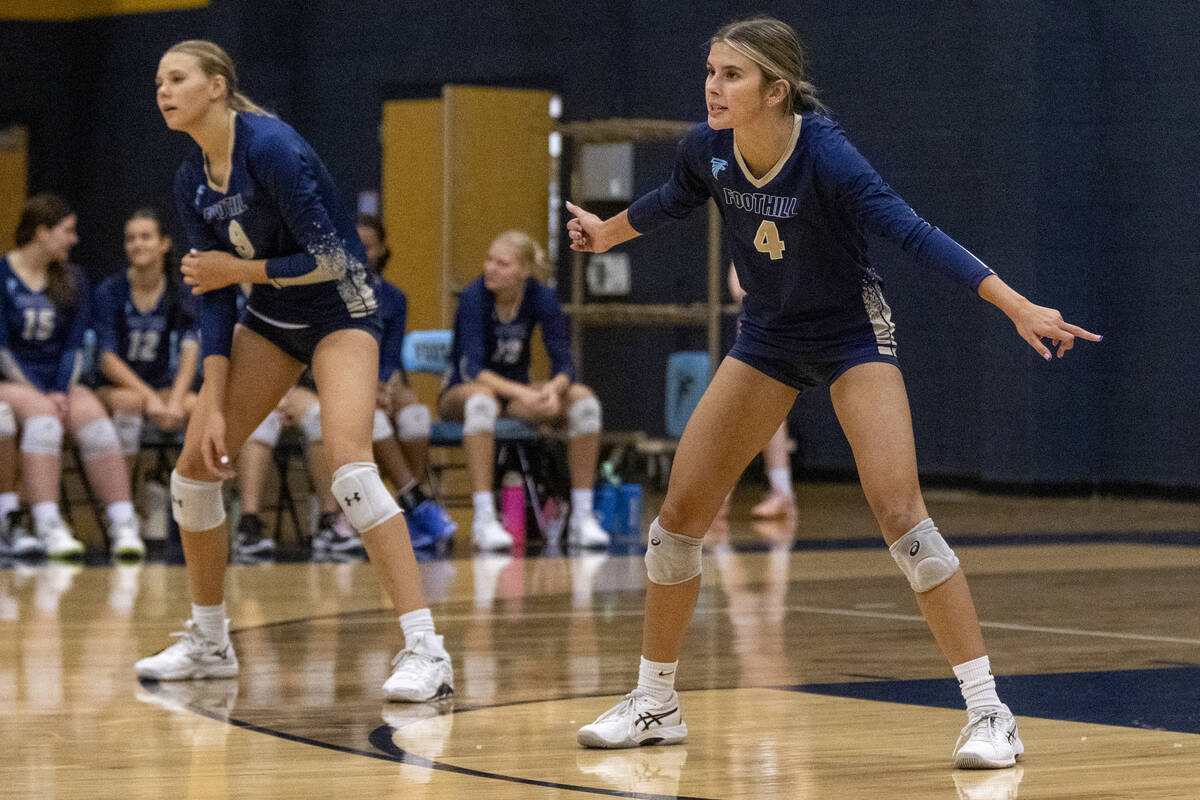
(146, 339)
(489, 376)
(44, 311)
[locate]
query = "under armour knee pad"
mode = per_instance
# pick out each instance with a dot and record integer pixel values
(310, 423)
(381, 429)
(8, 423)
(43, 435)
(671, 558)
(98, 439)
(584, 417)
(268, 430)
(924, 556)
(479, 414)
(129, 432)
(361, 494)
(413, 422)
(196, 505)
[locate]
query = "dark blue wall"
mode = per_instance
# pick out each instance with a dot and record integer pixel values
(1055, 140)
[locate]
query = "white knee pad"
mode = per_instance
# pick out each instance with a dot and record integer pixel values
(413, 423)
(924, 557)
(584, 417)
(129, 432)
(98, 439)
(8, 423)
(479, 414)
(43, 435)
(196, 505)
(671, 558)
(362, 495)
(267, 431)
(382, 428)
(310, 423)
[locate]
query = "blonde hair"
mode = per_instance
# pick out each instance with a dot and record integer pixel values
(775, 48)
(215, 61)
(528, 251)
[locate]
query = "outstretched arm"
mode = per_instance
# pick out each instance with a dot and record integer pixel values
(590, 234)
(1033, 322)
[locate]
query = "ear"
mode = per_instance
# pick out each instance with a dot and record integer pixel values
(778, 91)
(217, 87)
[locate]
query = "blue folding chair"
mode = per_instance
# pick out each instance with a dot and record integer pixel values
(688, 375)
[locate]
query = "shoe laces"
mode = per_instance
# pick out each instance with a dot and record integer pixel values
(629, 704)
(410, 662)
(983, 723)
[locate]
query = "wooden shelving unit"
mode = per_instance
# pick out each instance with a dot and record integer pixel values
(583, 313)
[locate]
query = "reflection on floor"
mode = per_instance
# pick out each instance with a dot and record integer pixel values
(807, 672)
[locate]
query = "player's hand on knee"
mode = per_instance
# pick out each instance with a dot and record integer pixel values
(212, 445)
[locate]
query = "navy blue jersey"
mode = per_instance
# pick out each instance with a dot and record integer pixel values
(798, 234)
(280, 205)
(147, 341)
(43, 341)
(482, 341)
(393, 312)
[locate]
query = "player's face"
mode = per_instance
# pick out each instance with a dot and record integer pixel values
(503, 269)
(185, 93)
(144, 244)
(733, 90)
(373, 244)
(57, 241)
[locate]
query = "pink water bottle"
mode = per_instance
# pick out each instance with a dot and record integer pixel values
(512, 506)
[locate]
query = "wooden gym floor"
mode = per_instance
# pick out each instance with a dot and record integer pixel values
(807, 674)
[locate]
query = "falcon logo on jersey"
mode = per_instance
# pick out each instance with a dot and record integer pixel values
(718, 164)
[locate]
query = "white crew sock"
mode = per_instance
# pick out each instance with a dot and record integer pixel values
(976, 683)
(781, 480)
(416, 623)
(9, 501)
(657, 678)
(211, 622)
(44, 513)
(581, 503)
(485, 507)
(119, 511)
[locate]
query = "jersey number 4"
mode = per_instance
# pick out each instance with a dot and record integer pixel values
(766, 240)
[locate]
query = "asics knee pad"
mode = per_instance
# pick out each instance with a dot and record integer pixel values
(43, 435)
(268, 430)
(584, 417)
(129, 432)
(382, 429)
(8, 423)
(479, 414)
(98, 439)
(361, 494)
(924, 557)
(196, 505)
(413, 423)
(310, 423)
(671, 558)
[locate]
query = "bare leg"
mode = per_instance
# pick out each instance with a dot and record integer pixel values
(253, 464)
(259, 374)
(720, 439)
(478, 448)
(872, 407)
(391, 459)
(106, 472)
(346, 383)
(583, 451)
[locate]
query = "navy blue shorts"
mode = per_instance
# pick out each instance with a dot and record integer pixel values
(814, 363)
(301, 343)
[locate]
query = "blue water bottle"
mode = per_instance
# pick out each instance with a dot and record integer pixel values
(606, 502)
(631, 511)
